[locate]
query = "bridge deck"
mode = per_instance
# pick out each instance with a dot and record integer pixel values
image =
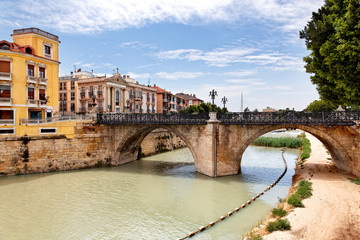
(241, 118)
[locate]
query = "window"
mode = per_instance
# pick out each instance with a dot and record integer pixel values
(7, 131)
(99, 90)
(72, 96)
(89, 105)
(130, 93)
(64, 86)
(117, 98)
(42, 94)
(5, 91)
(91, 91)
(60, 86)
(31, 70)
(47, 51)
(31, 93)
(72, 85)
(72, 107)
(5, 47)
(35, 115)
(6, 114)
(28, 50)
(48, 130)
(4, 66)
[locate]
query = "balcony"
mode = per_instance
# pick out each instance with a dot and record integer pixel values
(32, 102)
(7, 121)
(43, 103)
(5, 101)
(165, 100)
(82, 95)
(43, 81)
(47, 55)
(100, 95)
(5, 76)
(31, 79)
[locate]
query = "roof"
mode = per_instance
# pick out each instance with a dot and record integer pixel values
(160, 90)
(188, 96)
(15, 47)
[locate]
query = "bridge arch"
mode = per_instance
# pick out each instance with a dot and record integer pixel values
(127, 147)
(326, 134)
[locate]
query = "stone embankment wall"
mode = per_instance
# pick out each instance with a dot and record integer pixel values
(160, 140)
(22, 155)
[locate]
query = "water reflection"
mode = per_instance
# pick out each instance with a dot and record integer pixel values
(147, 199)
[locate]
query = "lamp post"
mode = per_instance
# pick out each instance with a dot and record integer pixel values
(213, 93)
(224, 100)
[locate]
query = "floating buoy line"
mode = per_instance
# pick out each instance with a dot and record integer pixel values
(202, 228)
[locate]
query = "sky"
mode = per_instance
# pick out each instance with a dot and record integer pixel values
(191, 46)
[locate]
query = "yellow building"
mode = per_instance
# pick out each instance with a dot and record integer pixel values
(29, 75)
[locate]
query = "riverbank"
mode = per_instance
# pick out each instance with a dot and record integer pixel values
(333, 212)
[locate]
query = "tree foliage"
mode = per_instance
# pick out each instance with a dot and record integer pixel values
(321, 106)
(333, 37)
(203, 108)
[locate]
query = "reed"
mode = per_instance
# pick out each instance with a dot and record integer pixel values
(278, 142)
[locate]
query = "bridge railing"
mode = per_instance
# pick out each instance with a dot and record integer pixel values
(152, 118)
(290, 117)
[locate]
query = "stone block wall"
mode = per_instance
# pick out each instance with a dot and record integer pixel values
(160, 140)
(22, 155)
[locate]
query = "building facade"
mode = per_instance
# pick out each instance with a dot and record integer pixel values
(29, 70)
(68, 94)
(139, 98)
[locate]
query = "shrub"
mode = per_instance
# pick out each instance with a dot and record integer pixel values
(280, 224)
(306, 148)
(278, 212)
(305, 189)
(295, 200)
(356, 181)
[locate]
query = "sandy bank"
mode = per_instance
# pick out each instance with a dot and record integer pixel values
(333, 212)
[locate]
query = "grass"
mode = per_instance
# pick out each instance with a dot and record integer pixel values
(280, 224)
(278, 142)
(304, 191)
(255, 237)
(295, 200)
(306, 147)
(278, 212)
(356, 181)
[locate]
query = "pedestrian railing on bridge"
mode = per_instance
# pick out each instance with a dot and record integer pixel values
(152, 118)
(290, 117)
(239, 118)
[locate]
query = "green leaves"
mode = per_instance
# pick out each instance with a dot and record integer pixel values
(333, 37)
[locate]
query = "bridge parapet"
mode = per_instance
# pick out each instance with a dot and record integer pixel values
(239, 118)
(153, 118)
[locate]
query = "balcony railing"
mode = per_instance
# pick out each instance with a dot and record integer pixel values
(31, 79)
(32, 102)
(43, 103)
(82, 110)
(5, 101)
(7, 121)
(82, 94)
(24, 121)
(43, 81)
(36, 30)
(5, 76)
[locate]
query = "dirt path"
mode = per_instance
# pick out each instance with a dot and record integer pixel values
(333, 212)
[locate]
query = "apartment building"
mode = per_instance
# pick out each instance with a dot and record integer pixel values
(29, 70)
(139, 98)
(68, 94)
(190, 99)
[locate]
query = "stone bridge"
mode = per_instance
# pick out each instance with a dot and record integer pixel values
(218, 143)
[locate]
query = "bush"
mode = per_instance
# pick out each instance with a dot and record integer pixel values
(280, 224)
(306, 148)
(305, 189)
(255, 237)
(278, 212)
(295, 200)
(356, 181)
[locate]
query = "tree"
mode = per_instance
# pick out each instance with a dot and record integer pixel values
(321, 106)
(203, 108)
(333, 37)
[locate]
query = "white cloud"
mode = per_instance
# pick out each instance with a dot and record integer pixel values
(179, 75)
(240, 74)
(249, 81)
(95, 16)
(222, 57)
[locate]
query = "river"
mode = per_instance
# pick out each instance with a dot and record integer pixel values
(158, 197)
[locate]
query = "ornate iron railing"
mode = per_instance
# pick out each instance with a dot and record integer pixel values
(152, 118)
(291, 117)
(240, 118)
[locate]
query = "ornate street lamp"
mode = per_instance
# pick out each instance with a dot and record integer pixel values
(213, 93)
(224, 100)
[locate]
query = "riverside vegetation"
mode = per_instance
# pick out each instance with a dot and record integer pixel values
(304, 189)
